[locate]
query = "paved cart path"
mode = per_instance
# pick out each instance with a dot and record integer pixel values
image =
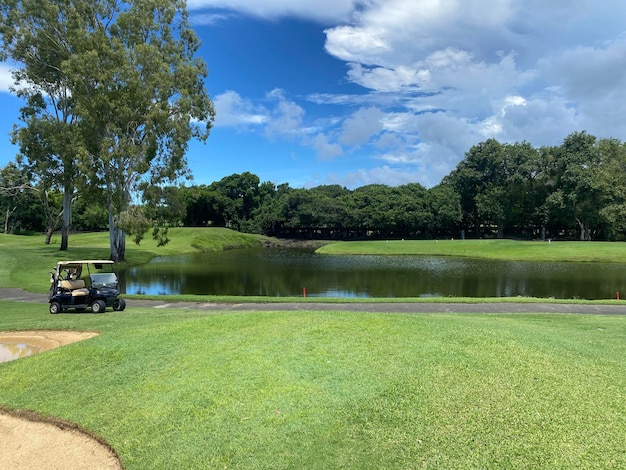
(376, 307)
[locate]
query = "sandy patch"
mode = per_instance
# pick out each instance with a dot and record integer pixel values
(27, 445)
(27, 441)
(45, 340)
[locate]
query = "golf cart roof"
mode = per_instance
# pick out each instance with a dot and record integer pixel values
(84, 261)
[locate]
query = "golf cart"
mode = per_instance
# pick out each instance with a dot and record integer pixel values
(82, 285)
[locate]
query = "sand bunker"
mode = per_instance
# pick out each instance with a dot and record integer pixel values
(30, 442)
(27, 444)
(44, 340)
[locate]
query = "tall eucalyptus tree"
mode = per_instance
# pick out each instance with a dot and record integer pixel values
(133, 85)
(36, 36)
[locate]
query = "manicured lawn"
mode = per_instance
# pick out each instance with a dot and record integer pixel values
(605, 252)
(186, 389)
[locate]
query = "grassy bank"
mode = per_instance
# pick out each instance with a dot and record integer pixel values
(26, 261)
(490, 249)
(187, 389)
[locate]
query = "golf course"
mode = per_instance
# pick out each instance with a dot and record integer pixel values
(184, 388)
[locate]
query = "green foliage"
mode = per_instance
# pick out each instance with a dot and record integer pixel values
(135, 223)
(567, 191)
(498, 190)
(20, 206)
(574, 191)
(445, 207)
(89, 214)
(160, 235)
(114, 93)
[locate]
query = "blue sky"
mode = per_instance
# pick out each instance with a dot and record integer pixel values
(355, 92)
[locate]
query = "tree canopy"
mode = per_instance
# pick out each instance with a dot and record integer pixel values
(113, 91)
(573, 191)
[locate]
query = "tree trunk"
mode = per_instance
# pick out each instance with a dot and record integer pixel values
(584, 231)
(117, 240)
(501, 230)
(117, 236)
(121, 245)
(52, 223)
(118, 244)
(7, 217)
(67, 219)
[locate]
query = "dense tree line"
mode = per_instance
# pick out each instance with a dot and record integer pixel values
(326, 212)
(573, 191)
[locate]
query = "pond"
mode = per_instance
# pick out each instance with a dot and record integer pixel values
(287, 272)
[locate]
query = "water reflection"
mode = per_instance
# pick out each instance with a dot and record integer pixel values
(282, 272)
(11, 351)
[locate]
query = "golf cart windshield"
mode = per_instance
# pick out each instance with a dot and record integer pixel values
(104, 280)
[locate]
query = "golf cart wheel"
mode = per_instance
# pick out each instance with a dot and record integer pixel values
(119, 305)
(55, 307)
(98, 306)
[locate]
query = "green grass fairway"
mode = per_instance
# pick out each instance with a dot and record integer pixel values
(186, 389)
(493, 249)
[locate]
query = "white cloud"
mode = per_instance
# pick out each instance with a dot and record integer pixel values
(325, 149)
(389, 140)
(472, 69)
(357, 45)
(438, 76)
(278, 118)
(361, 126)
(544, 121)
(287, 116)
(208, 19)
(6, 79)
(231, 110)
(388, 80)
(587, 72)
(394, 32)
(378, 175)
(365, 99)
(326, 11)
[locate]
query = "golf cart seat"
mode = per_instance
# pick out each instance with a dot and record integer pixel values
(76, 287)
